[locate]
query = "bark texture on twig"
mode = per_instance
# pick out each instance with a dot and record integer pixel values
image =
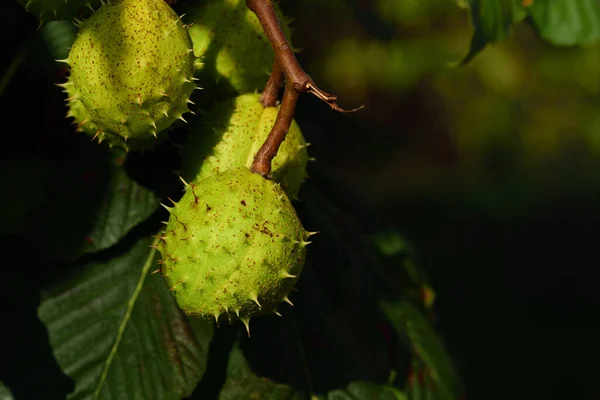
(270, 94)
(297, 81)
(285, 56)
(268, 151)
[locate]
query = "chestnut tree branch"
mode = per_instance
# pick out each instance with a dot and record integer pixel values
(296, 81)
(270, 94)
(285, 56)
(268, 151)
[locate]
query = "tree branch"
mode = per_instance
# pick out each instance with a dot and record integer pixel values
(284, 54)
(270, 94)
(296, 81)
(268, 151)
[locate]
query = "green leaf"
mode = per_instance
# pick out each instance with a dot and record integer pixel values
(492, 22)
(390, 243)
(5, 394)
(567, 22)
(92, 205)
(421, 386)
(367, 391)
(408, 320)
(58, 37)
(242, 383)
(117, 331)
(124, 205)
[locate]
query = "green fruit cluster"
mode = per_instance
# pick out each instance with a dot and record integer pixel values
(233, 247)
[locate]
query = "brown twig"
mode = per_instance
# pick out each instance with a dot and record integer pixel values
(285, 56)
(297, 81)
(268, 151)
(270, 94)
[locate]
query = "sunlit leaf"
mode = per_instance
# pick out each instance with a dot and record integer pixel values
(567, 22)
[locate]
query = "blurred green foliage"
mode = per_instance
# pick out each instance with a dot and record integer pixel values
(533, 102)
(490, 170)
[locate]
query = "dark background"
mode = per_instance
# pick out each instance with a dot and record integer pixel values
(489, 171)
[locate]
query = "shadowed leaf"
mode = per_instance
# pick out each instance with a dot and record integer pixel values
(242, 383)
(91, 205)
(366, 391)
(492, 22)
(117, 331)
(410, 322)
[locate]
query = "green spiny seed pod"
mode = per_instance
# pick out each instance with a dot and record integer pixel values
(231, 133)
(233, 247)
(228, 37)
(131, 73)
(58, 10)
(80, 117)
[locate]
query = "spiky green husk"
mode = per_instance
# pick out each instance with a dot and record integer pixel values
(58, 10)
(227, 36)
(233, 247)
(131, 72)
(78, 113)
(231, 133)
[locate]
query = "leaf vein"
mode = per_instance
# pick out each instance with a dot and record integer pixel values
(125, 321)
